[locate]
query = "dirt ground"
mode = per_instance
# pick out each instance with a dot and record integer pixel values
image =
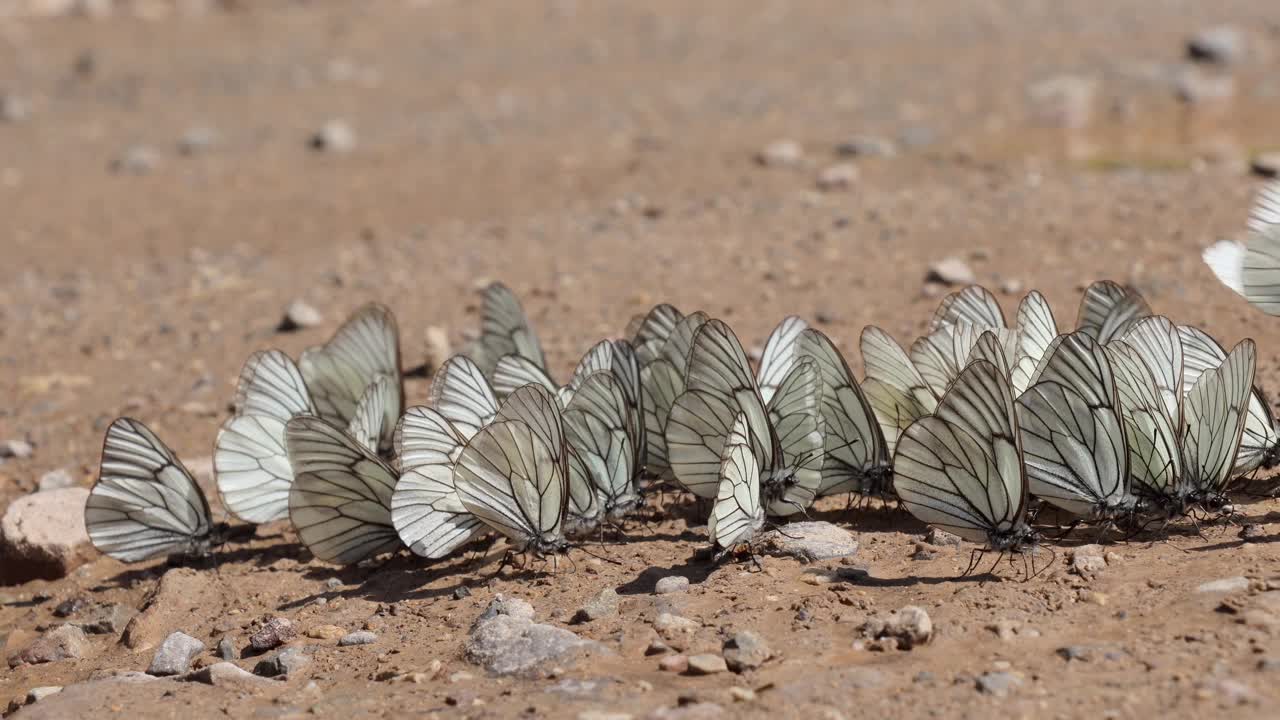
(599, 157)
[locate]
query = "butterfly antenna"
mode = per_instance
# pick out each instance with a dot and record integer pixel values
(605, 558)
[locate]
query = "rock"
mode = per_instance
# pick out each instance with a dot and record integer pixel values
(1088, 560)
(225, 674)
(781, 153)
(1221, 45)
(908, 626)
(1064, 101)
(334, 136)
(106, 619)
(71, 606)
(603, 715)
(227, 649)
(674, 663)
(841, 176)
(136, 160)
(1092, 653)
(177, 601)
(741, 694)
(1011, 286)
(300, 315)
(1225, 585)
(14, 108)
(325, 632)
(707, 664)
(360, 637)
(745, 650)
(1266, 164)
(867, 146)
(288, 662)
(437, 348)
(669, 626)
(274, 633)
(603, 605)
(175, 654)
(36, 694)
(42, 536)
(512, 607)
(657, 647)
(999, 683)
(461, 592)
(1195, 86)
(671, 584)
(811, 541)
(20, 449)
(923, 552)
(951, 271)
(65, 642)
(197, 139)
(512, 644)
(55, 480)
(941, 538)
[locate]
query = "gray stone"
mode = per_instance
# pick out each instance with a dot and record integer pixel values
(274, 633)
(669, 625)
(671, 584)
(1092, 653)
(197, 139)
(1266, 164)
(334, 136)
(1225, 585)
(1221, 44)
(512, 607)
(65, 642)
(55, 480)
(745, 650)
(226, 649)
(999, 683)
(36, 694)
(781, 153)
(1088, 565)
(71, 606)
(674, 663)
(360, 637)
(1064, 101)
(840, 176)
(136, 160)
(907, 627)
(867, 146)
(175, 654)
(300, 314)
(333, 584)
(225, 674)
(14, 108)
(288, 662)
(941, 538)
(1011, 286)
(42, 536)
(20, 449)
(603, 605)
(515, 645)
(106, 619)
(707, 664)
(951, 271)
(811, 541)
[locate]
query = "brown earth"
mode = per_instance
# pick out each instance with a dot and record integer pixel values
(599, 157)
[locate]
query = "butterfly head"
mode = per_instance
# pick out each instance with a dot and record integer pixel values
(1271, 456)
(1019, 538)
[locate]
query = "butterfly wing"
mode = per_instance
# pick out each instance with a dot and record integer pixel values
(1214, 416)
(737, 514)
(1107, 310)
(371, 412)
(425, 508)
(462, 395)
(796, 414)
(1035, 328)
(1155, 464)
(596, 424)
(661, 384)
(144, 503)
(337, 373)
(1156, 340)
(653, 332)
(340, 502)
(504, 330)
(514, 372)
(974, 305)
(508, 477)
(779, 355)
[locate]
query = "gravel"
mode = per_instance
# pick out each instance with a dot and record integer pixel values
(175, 654)
(360, 637)
(274, 633)
(671, 584)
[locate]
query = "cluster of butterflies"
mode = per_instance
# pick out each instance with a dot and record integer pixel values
(1126, 419)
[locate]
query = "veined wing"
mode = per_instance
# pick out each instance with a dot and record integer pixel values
(780, 352)
(1155, 463)
(596, 423)
(1157, 342)
(337, 373)
(718, 365)
(653, 332)
(537, 409)
(340, 501)
(144, 503)
(425, 509)
(679, 344)
(251, 464)
(504, 330)
(737, 514)
(270, 384)
(1214, 416)
(1079, 362)
(662, 383)
(371, 413)
(795, 412)
(1259, 443)
(462, 395)
(992, 348)
(1107, 310)
(886, 362)
(1035, 329)
(618, 358)
(514, 372)
(697, 427)
(935, 359)
(974, 305)
(510, 478)
(1265, 213)
(1260, 273)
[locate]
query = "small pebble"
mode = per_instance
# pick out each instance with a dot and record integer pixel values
(941, 538)
(437, 348)
(274, 633)
(671, 584)
(951, 271)
(1221, 44)
(781, 153)
(36, 694)
(867, 146)
(1225, 585)
(226, 649)
(175, 654)
(136, 160)
(837, 177)
(197, 139)
(325, 632)
(298, 315)
(999, 683)
(360, 637)
(14, 108)
(334, 136)
(55, 480)
(1011, 286)
(674, 663)
(1266, 164)
(333, 584)
(741, 694)
(19, 449)
(706, 664)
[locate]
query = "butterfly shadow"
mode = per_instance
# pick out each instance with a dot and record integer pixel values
(696, 570)
(213, 562)
(400, 577)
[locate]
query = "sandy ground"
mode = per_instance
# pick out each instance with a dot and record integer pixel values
(599, 157)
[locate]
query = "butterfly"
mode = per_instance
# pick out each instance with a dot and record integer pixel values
(145, 503)
(504, 330)
(1108, 309)
(651, 331)
(786, 433)
(969, 312)
(1072, 435)
(662, 380)
(961, 469)
(737, 515)
(598, 426)
(1252, 268)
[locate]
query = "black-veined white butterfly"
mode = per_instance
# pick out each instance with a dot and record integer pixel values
(662, 381)
(974, 305)
(1073, 439)
(1107, 310)
(786, 435)
(145, 503)
(651, 331)
(597, 422)
(504, 330)
(1252, 268)
(340, 500)
(737, 515)
(893, 386)
(961, 469)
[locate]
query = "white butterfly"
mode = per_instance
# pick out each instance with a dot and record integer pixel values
(1072, 435)
(425, 508)
(786, 435)
(504, 330)
(145, 502)
(737, 515)
(893, 387)
(597, 422)
(651, 331)
(661, 382)
(974, 305)
(1107, 310)
(340, 500)
(513, 474)
(961, 469)
(1252, 268)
